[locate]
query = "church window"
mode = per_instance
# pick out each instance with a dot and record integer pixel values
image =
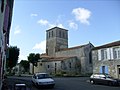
(63, 35)
(52, 33)
(60, 34)
(90, 58)
(49, 34)
(70, 65)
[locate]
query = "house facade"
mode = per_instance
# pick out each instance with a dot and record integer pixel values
(106, 59)
(6, 7)
(60, 58)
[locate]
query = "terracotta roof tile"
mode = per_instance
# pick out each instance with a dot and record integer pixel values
(50, 59)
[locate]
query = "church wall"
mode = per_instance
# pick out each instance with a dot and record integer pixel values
(82, 55)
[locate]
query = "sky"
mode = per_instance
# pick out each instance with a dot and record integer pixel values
(95, 21)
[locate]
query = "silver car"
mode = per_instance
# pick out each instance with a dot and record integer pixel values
(43, 80)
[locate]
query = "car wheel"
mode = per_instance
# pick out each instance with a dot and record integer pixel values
(52, 86)
(92, 81)
(37, 84)
(32, 82)
(110, 83)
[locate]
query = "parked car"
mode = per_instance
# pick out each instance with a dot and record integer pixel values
(43, 79)
(103, 79)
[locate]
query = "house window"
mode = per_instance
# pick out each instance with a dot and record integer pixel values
(48, 66)
(116, 53)
(104, 54)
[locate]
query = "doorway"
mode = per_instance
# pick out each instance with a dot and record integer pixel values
(118, 70)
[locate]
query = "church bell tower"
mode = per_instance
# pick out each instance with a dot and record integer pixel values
(56, 39)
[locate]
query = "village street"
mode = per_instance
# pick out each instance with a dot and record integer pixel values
(62, 83)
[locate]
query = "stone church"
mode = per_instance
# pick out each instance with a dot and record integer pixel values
(59, 59)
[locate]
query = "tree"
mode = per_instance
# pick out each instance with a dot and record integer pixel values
(13, 56)
(25, 65)
(33, 58)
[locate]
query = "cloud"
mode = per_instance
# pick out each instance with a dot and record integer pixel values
(60, 25)
(51, 25)
(33, 15)
(17, 30)
(73, 25)
(41, 46)
(43, 22)
(82, 15)
(48, 24)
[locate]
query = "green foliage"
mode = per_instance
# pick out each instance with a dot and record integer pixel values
(33, 58)
(25, 65)
(13, 56)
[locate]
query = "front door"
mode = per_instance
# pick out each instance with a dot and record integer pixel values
(118, 70)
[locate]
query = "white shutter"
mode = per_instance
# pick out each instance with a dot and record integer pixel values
(111, 51)
(108, 53)
(99, 54)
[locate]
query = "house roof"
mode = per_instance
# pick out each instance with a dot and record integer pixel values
(50, 59)
(116, 43)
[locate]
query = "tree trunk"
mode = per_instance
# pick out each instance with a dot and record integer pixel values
(33, 69)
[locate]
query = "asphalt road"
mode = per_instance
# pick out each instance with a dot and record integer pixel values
(63, 83)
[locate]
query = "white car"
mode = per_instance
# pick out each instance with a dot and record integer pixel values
(43, 79)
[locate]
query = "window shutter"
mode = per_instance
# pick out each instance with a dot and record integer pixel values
(108, 53)
(111, 51)
(100, 69)
(106, 69)
(99, 54)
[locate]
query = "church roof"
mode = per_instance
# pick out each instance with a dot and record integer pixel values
(116, 43)
(50, 59)
(76, 47)
(56, 28)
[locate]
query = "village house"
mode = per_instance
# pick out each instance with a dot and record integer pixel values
(6, 8)
(106, 59)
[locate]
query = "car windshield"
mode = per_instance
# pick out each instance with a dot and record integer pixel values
(41, 76)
